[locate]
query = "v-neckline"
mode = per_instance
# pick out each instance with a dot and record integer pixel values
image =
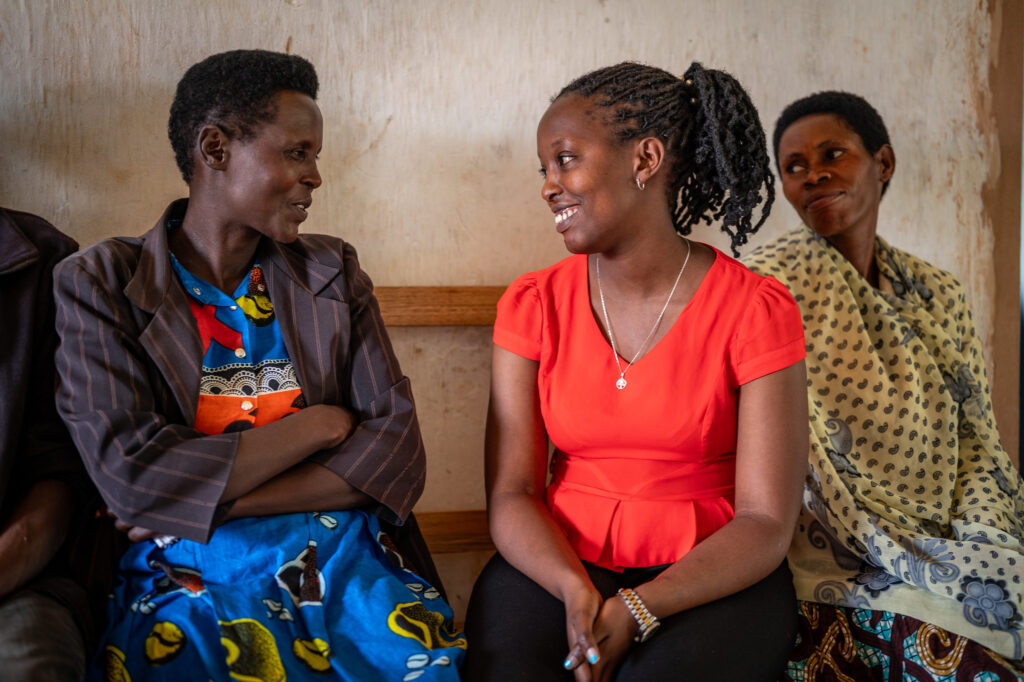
(596, 324)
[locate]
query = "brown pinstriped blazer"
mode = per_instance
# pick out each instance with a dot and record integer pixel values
(129, 365)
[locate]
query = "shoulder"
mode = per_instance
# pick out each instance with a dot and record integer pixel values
(743, 283)
(39, 232)
(781, 254)
(937, 280)
(326, 265)
(749, 304)
(552, 281)
(113, 259)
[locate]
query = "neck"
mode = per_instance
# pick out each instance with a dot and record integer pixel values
(859, 249)
(213, 248)
(642, 266)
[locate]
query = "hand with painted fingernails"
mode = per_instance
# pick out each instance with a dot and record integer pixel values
(581, 609)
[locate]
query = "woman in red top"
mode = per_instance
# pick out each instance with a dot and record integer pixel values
(670, 381)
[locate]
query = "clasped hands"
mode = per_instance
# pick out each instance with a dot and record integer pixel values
(600, 633)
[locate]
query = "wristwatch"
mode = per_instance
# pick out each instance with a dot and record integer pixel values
(644, 618)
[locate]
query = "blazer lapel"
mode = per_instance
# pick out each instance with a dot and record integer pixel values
(171, 338)
(312, 314)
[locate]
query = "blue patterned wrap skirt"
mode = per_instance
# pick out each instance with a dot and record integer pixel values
(309, 596)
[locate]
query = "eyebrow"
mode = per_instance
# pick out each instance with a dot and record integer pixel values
(559, 141)
(825, 143)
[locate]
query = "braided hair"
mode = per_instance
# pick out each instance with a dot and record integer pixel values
(854, 110)
(711, 130)
(235, 91)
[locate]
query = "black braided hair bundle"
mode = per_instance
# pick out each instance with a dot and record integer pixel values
(711, 130)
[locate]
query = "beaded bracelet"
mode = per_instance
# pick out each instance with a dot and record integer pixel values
(644, 618)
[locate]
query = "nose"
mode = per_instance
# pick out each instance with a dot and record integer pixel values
(550, 189)
(818, 174)
(312, 177)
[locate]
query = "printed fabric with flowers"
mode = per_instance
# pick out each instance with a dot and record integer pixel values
(911, 506)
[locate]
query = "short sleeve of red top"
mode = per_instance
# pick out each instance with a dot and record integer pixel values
(643, 474)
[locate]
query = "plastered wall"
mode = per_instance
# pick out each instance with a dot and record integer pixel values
(430, 109)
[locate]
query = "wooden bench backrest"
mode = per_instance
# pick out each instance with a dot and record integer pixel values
(446, 532)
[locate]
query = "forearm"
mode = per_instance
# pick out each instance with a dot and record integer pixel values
(771, 461)
(528, 538)
(305, 487)
(266, 452)
(721, 565)
(34, 532)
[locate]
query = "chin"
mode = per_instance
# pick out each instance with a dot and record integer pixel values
(575, 246)
(825, 226)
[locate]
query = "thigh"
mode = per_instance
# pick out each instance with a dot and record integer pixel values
(39, 640)
(296, 596)
(515, 628)
(744, 637)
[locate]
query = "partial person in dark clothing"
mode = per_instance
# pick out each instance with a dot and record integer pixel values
(43, 612)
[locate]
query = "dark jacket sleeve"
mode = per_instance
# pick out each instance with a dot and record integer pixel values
(152, 470)
(45, 449)
(384, 456)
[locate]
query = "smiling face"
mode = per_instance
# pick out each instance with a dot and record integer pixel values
(587, 175)
(270, 177)
(831, 180)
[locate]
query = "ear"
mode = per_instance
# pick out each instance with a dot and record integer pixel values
(212, 147)
(648, 156)
(886, 160)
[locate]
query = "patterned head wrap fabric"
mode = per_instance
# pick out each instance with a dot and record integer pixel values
(911, 506)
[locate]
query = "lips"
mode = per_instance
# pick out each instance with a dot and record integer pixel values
(303, 207)
(563, 215)
(822, 200)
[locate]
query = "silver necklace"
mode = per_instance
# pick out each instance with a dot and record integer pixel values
(621, 381)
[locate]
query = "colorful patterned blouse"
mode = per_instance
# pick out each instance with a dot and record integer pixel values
(248, 379)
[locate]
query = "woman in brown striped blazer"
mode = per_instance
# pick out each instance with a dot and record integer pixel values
(233, 393)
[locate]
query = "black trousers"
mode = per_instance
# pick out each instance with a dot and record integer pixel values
(516, 631)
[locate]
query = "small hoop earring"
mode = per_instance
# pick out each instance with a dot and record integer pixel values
(640, 185)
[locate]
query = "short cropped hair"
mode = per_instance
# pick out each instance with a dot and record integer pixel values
(234, 91)
(862, 118)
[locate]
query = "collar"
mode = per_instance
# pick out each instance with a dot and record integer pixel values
(304, 268)
(154, 275)
(891, 265)
(16, 250)
(149, 285)
(206, 293)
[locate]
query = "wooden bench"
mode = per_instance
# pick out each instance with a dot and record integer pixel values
(446, 532)
(438, 306)
(450, 532)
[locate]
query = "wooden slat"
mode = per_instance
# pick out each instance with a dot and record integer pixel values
(438, 306)
(447, 532)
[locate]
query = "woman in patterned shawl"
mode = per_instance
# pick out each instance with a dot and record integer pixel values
(909, 553)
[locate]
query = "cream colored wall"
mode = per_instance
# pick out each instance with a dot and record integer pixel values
(430, 109)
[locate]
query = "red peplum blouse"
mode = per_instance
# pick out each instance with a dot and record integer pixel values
(641, 475)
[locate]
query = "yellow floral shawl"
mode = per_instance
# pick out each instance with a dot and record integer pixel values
(910, 503)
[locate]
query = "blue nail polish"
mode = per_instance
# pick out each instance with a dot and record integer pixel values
(567, 663)
(592, 657)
